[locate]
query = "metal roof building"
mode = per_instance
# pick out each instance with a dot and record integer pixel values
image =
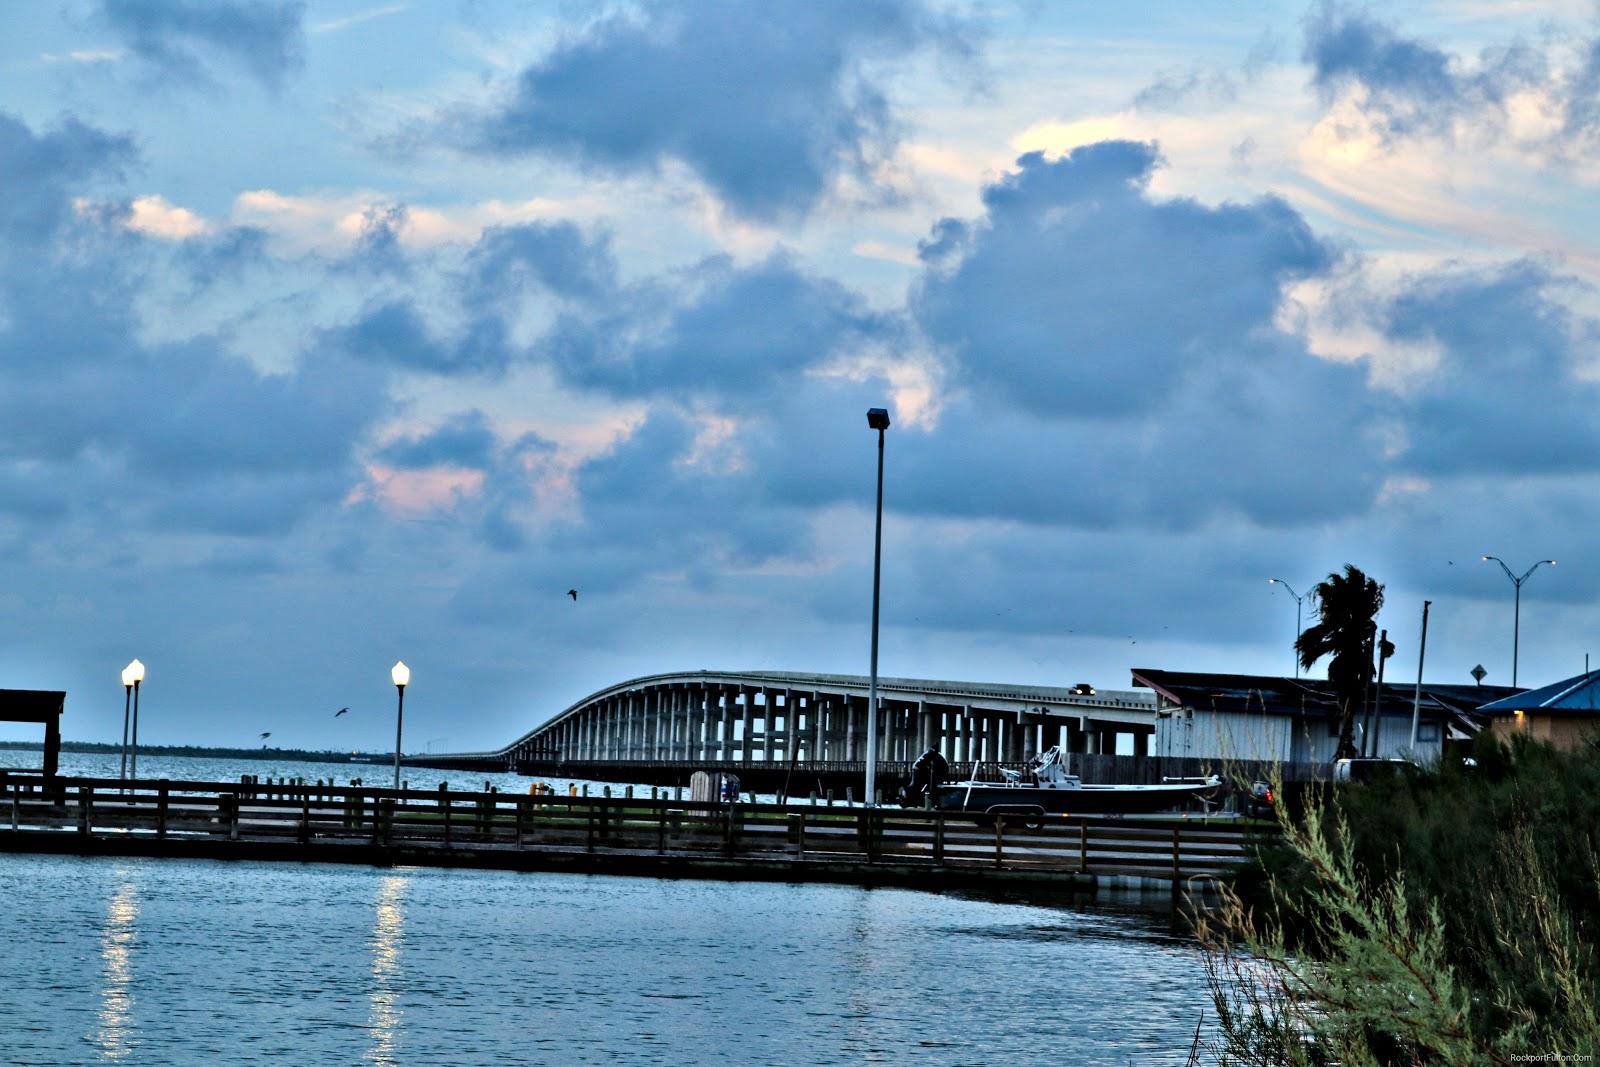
(1565, 713)
(1296, 720)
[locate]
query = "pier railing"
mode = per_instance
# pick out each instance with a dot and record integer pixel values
(403, 825)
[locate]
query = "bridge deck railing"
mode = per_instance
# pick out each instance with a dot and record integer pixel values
(1173, 847)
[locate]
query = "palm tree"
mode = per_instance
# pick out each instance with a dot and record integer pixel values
(1347, 604)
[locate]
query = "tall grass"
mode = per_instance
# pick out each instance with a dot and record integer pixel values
(1439, 918)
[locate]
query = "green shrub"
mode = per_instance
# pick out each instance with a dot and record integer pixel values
(1444, 917)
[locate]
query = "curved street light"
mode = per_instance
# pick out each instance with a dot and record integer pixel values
(1298, 598)
(1516, 619)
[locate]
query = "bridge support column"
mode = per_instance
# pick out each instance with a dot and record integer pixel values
(814, 719)
(852, 744)
(747, 726)
(1015, 745)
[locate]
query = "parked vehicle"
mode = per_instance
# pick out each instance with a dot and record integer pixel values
(1260, 801)
(1367, 768)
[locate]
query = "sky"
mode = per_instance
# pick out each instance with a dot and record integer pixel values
(340, 332)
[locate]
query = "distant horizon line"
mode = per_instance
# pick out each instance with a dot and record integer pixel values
(338, 755)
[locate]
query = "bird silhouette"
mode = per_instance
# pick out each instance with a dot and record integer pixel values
(266, 735)
(340, 712)
(573, 593)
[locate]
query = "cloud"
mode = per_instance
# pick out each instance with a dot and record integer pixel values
(464, 441)
(717, 330)
(1078, 294)
(767, 104)
(176, 37)
(1407, 87)
(1514, 391)
(38, 172)
(210, 442)
(155, 217)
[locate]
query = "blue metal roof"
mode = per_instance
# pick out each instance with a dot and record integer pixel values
(1578, 693)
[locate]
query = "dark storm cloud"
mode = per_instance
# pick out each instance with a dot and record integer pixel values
(1077, 294)
(766, 103)
(1510, 395)
(177, 37)
(718, 330)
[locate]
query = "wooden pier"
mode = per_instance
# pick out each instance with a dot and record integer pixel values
(657, 834)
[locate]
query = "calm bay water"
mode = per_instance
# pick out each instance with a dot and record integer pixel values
(195, 962)
(201, 962)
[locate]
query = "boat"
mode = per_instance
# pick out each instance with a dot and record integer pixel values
(1045, 788)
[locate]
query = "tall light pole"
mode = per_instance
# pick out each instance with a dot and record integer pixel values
(134, 673)
(1298, 598)
(127, 704)
(400, 674)
(1516, 618)
(877, 419)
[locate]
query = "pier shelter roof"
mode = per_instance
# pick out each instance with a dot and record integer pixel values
(43, 706)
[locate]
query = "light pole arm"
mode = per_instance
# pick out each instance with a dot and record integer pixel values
(1531, 569)
(1514, 579)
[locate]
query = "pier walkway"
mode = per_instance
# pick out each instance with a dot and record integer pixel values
(658, 834)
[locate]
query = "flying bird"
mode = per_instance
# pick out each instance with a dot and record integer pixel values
(573, 593)
(266, 735)
(340, 712)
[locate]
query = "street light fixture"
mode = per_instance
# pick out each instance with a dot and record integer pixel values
(400, 674)
(1298, 598)
(877, 419)
(132, 675)
(1516, 618)
(127, 705)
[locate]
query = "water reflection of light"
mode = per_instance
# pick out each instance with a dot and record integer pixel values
(388, 931)
(116, 993)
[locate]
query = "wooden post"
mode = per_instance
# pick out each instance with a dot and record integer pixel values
(229, 803)
(938, 837)
(1083, 847)
(16, 804)
(161, 810)
(521, 817)
(1175, 874)
(661, 829)
(999, 840)
(800, 850)
(387, 809)
(377, 820)
(588, 838)
(305, 818)
(85, 801)
(444, 805)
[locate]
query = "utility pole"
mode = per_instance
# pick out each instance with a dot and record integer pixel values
(1416, 700)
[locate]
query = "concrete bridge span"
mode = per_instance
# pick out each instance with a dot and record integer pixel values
(778, 717)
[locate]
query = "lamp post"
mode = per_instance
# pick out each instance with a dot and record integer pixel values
(127, 704)
(1516, 618)
(877, 419)
(401, 675)
(132, 675)
(1298, 598)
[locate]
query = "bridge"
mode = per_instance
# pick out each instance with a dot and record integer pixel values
(765, 725)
